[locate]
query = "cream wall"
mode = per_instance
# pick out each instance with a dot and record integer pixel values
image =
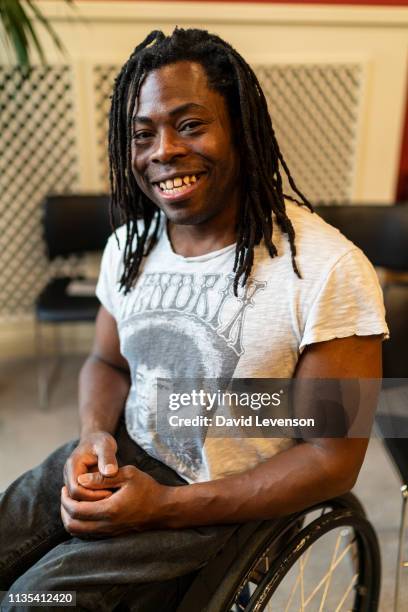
(375, 38)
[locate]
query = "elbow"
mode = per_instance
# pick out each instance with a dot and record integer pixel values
(345, 485)
(341, 463)
(341, 481)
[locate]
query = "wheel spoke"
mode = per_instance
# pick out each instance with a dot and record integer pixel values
(343, 599)
(302, 587)
(328, 580)
(323, 580)
(295, 586)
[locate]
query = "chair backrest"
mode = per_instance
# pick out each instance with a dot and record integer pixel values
(395, 350)
(75, 223)
(382, 233)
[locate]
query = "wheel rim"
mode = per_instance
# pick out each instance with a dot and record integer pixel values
(326, 568)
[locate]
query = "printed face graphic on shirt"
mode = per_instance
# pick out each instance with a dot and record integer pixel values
(181, 326)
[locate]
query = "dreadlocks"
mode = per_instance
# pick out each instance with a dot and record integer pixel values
(228, 74)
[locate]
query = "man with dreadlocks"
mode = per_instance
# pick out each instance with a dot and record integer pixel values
(213, 274)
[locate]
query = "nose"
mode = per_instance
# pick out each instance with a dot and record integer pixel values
(169, 146)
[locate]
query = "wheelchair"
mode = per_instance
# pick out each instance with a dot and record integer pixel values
(325, 559)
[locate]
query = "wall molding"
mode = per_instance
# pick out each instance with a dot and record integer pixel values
(245, 13)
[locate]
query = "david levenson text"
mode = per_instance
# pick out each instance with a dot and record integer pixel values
(248, 421)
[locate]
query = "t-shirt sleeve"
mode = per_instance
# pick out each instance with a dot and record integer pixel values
(107, 288)
(349, 302)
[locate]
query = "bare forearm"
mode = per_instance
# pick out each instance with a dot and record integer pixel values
(292, 480)
(103, 390)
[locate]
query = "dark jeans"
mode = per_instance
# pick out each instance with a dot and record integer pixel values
(141, 572)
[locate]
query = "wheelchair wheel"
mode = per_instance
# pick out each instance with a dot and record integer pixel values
(322, 559)
(332, 564)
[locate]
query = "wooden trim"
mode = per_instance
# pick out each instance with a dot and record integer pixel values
(387, 3)
(245, 13)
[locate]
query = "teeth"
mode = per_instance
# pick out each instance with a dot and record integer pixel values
(177, 184)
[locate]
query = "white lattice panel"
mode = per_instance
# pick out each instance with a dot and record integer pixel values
(103, 83)
(37, 156)
(315, 109)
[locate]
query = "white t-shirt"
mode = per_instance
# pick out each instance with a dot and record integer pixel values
(183, 320)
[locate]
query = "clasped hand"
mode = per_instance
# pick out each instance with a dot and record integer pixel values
(99, 498)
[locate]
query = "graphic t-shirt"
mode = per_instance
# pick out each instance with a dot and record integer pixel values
(182, 320)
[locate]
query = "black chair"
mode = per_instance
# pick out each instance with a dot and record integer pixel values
(72, 225)
(382, 233)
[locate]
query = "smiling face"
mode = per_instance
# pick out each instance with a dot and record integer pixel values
(183, 155)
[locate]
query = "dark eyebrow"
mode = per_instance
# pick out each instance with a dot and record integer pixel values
(175, 111)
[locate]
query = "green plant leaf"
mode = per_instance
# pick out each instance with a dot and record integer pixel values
(29, 30)
(19, 31)
(14, 26)
(38, 14)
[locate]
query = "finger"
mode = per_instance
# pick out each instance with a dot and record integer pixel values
(75, 465)
(80, 528)
(83, 510)
(98, 481)
(107, 462)
(91, 495)
(76, 491)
